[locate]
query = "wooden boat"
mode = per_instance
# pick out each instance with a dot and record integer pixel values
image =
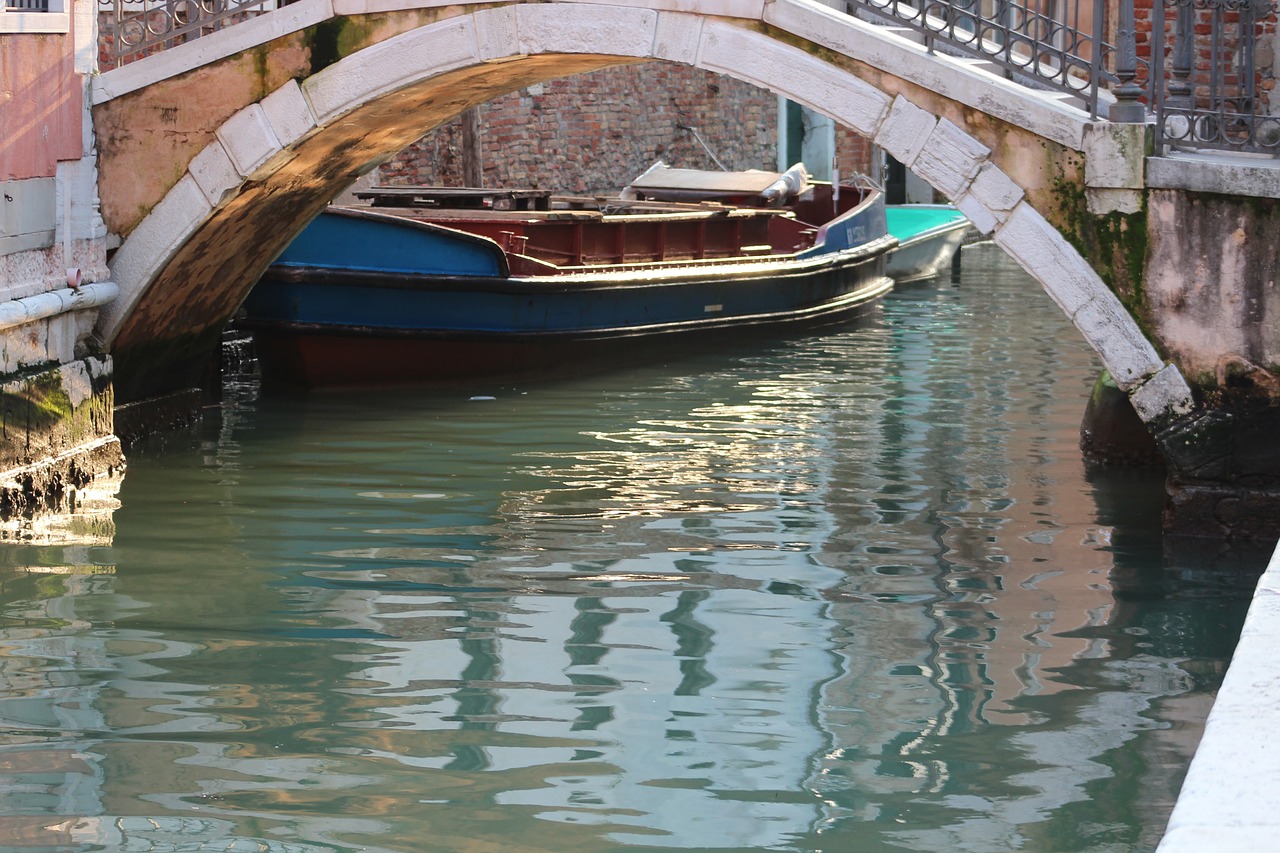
(929, 235)
(437, 283)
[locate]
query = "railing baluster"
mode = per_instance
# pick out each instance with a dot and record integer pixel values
(1128, 106)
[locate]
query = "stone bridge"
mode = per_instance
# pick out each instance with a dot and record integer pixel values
(213, 155)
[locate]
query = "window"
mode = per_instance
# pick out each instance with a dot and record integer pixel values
(35, 16)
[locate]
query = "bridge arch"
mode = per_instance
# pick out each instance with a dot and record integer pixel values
(188, 257)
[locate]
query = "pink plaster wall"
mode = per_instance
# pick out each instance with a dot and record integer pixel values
(41, 105)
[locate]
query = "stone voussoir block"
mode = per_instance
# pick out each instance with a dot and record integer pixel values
(249, 139)
(288, 113)
(390, 65)
(978, 214)
(677, 37)
(950, 159)
(1164, 394)
(905, 130)
(183, 209)
(497, 34)
(1124, 350)
(996, 191)
(215, 173)
(611, 30)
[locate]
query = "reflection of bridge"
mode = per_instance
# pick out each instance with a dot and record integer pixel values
(212, 155)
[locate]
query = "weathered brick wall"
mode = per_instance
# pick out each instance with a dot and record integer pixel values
(1228, 34)
(593, 132)
(853, 153)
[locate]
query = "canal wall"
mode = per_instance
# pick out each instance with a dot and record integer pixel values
(1209, 302)
(56, 399)
(1230, 799)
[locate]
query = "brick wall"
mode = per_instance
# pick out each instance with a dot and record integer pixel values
(593, 132)
(1229, 33)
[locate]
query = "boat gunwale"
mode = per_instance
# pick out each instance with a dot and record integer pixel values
(935, 231)
(652, 274)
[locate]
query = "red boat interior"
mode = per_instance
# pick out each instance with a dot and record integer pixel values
(542, 233)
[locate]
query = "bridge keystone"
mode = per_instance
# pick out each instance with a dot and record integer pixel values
(497, 34)
(678, 38)
(610, 30)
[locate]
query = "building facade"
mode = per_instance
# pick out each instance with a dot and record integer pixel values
(55, 392)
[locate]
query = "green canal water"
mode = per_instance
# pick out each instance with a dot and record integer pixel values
(847, 591)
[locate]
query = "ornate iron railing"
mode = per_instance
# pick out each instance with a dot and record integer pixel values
(1215, 95)
(1047, 44)
(131, 29)
(1200, 75)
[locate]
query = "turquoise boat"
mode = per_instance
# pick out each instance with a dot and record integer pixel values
(929, 235)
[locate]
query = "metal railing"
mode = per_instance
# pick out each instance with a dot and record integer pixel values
(1200, 76)
(1213, 95)
(131, 29)
(1047, 44)
(27, 5)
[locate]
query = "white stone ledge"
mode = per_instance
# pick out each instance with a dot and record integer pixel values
(1228, 174)
(33, 23)
(952, 77)
(30, 309)
(225, 42)
(1230, 799)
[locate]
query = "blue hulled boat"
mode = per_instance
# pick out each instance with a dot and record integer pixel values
(428, 284)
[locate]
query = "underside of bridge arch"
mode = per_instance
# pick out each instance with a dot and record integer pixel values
(163, 342)
(206, 192)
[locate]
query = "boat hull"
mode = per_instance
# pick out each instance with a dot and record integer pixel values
(321, 328)
(365, 297)
(928, 238)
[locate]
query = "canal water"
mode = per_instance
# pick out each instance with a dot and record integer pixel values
(844, 591)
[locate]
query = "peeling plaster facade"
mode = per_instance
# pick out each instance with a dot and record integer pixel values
(55, 394)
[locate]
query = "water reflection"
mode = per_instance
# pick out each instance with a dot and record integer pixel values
(848, 591)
